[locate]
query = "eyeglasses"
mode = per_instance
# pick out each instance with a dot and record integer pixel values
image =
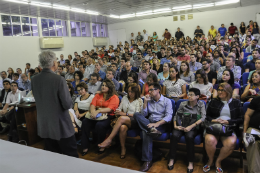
(138, 54)
(190, 95)
(219, 90)
(205, 64)
(151, 90)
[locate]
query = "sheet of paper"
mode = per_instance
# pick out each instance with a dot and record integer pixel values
(254, 132)
(78, 122)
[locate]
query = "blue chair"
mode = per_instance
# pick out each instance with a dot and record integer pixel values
(244, 87)
(120, 87)
(187, 88)
(244, 61)
(141, 86)
(166, 134)
(134, 69)
(120, 98)
(245, 77)
(245, 106)
(246, 54)
(244, 50)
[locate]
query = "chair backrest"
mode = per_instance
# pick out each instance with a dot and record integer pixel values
(244, 60)
(187, 88)
(245, 106)
(173, 107)
(120, 98)
(246, 54)
(244, 50)
(134, 69)
(120, 87)
(245, 77)
(141, 86)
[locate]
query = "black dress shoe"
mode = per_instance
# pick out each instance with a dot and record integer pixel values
(6, 129)
(15, 136)
(3, 119)
(146, 166)
(189, 170)
(154, 133)
(101, 152)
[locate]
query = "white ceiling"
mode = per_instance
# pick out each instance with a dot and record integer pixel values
(107, 7)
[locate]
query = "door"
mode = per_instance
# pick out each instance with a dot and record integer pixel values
(115, 36)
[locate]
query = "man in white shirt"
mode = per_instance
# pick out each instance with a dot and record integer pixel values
(146, 35)
(7, 114)
(132, 37)
(62, 61)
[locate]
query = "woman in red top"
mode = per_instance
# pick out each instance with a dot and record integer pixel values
(151, 78)
(105, 102)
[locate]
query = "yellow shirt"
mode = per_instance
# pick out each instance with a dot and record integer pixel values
(213, 32)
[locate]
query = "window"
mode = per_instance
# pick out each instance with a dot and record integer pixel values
(75, 29)
(99, 30)
(51, 27)
(19, 26)
(6, 24)
(83, 29)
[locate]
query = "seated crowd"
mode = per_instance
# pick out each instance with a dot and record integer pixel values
(134, 85)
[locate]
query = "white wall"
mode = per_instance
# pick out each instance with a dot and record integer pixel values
(204, 19)
(17, 51)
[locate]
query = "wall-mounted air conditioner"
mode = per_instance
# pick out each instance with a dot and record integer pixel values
(51, 42)
(100, 41)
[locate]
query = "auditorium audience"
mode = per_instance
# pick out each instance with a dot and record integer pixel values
(10, 73)
(157, 66)
(151, 78)
(102, 75)
(253, 88)
(222, 110)
(94, 86)
(194, 65)
(193, 107)
(129, 105)
(185, 72)
(228, 77)
(104, 104)
(25, 83)
(160, 110)
(72, 94)
(165, 74)
(142, 76)
(124, 74)
(174, 86)
(214, 66)
(70, 75)
(257, 68)
(212, 75)
(82, 103)
(203, 85)
(183, 56)
(110, 73)
(250, 66)
(132, 78)
(78, 78)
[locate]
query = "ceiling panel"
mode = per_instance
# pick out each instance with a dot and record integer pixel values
(116, 7)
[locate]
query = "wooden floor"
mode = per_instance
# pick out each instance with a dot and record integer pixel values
(112, 157)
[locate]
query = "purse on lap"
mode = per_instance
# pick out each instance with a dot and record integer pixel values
(219, 129)
(187, 119)
(100, 116)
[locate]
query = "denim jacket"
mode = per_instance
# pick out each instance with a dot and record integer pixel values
(216, 105)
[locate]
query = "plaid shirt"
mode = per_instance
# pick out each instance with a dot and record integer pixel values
(236, 70)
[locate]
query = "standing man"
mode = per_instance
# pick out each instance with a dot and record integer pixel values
(198, 32)
(53, 102)
(139, 37)
(222, 30)
(232, 29)
(179, 34)
(167, 35)
(132, 37)
(146, 36)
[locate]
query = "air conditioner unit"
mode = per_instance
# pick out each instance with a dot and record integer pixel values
(51, 42)
(99, 41)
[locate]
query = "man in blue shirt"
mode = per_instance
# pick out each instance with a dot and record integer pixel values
(222, 30)
(25, 83)
(250, 66)
(101, 73)
(159, 111)
(167, 58)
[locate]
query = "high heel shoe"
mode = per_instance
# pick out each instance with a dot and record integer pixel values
(189, 170)
(101, 152)
(84, 153)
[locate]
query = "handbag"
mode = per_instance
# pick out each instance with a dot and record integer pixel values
(99, 117)
(219, 129)
(187, 119)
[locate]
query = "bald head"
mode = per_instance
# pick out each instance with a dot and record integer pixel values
(24, 77)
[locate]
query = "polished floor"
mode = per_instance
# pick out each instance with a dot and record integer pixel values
(112, 157)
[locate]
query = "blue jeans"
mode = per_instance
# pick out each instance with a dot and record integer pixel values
(147, 148)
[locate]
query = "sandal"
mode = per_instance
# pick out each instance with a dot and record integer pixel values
(219, 170)
(207, 167)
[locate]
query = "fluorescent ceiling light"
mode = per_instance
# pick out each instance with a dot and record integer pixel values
(127, 16)
(163, 10)
(203, 5)
(114, 16)
(92, 12)
(77, 10)
(61, 7)
(20, 2)
(226, 2)
(144, 13)
(41, 4)
(180, 8)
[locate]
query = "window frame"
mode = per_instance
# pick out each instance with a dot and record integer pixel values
(55, 26)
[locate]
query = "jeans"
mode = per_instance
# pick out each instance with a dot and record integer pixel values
(101, 127)
(147, 148)
(189, 137)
